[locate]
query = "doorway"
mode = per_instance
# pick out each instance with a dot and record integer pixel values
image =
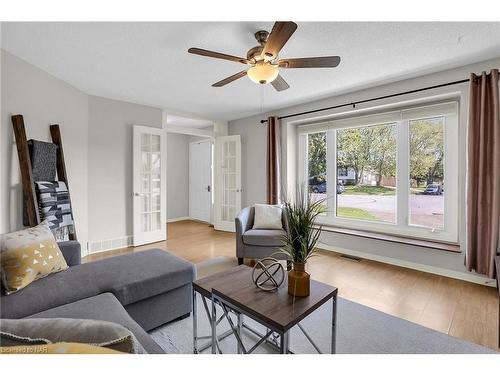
(149, 183)
(200, 180)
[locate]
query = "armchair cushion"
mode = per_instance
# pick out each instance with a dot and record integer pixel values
(264, 237)
(267, 216)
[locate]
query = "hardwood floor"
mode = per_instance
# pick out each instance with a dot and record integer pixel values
(455, 307)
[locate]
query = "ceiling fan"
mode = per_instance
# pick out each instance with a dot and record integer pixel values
(263, 59)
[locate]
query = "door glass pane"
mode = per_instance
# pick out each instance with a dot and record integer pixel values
(316, 167)
(155, 143)
(156, 202)
(145, 142)
(146, 161)
(231, 164)
(145, 222)
(426, 203)
(155, 221)
(155, 183)
(145, 183)
(145, 207)
(150, 197)
(231, 149)
(155, 162)
(366, 173)
(228, 209)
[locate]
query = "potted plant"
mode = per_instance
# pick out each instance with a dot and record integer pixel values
(301, 237)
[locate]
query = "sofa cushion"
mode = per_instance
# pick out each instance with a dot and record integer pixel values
(102, 307)
(130, 278)
(264, 237)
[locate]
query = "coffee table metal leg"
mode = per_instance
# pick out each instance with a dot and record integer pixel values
(195, 324)
(214, 327)
(284, 342)
(334, 325)
(239, 329)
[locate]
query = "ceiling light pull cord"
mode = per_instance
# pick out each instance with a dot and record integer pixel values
(261, 99)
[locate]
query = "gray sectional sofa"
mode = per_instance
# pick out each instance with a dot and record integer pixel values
(140, 291)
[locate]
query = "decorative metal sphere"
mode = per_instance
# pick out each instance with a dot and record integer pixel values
(268, 274)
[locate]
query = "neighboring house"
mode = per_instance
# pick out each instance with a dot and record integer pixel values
(346, 175)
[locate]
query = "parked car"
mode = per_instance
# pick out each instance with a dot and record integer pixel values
(433, 189)
(321, 188)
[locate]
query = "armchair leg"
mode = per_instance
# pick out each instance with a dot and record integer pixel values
(240, 261)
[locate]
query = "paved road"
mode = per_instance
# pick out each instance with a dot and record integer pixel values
(425, 210)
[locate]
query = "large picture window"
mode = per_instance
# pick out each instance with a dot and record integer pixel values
(393, 172)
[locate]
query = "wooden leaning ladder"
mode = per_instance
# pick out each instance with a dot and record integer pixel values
(23, 153)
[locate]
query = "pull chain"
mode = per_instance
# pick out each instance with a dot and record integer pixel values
(261, 99)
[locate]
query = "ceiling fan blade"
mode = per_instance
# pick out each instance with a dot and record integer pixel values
(217, 55)
(281, 32)
(310, 62)
(230, 79)
(280, 84)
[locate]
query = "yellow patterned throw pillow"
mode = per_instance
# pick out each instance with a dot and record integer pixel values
(28, 255)
(58, 348)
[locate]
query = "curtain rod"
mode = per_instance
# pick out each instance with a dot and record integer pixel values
(353, 104)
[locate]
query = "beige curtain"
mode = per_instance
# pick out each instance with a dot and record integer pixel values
(273, 160)
(483, 181)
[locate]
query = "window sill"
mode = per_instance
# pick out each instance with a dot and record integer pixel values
(451, 247)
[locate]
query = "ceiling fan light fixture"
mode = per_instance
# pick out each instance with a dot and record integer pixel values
(263, 72)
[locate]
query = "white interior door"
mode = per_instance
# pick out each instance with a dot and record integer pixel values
(228, 181)
(200, 180)
(149, 166)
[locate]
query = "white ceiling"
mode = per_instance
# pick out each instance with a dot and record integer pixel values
(148, 63)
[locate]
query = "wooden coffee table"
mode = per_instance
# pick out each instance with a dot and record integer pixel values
(234, 291)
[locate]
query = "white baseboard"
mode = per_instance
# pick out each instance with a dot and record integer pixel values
(174, 219)
(471, 277)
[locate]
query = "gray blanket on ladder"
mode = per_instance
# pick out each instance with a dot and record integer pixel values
(43, 157)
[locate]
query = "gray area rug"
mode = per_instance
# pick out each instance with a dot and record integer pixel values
(360, 330)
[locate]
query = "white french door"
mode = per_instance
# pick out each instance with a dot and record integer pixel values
(149, 181)
(228, 177)
(200, 180)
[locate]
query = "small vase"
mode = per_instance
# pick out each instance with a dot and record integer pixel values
(298, 280)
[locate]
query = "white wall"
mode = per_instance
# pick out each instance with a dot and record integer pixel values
(253, 165)
(97, 140)
(178, 175)
(43, 100)
(110, 164)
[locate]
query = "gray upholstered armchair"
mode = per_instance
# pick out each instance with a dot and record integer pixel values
(257, 243)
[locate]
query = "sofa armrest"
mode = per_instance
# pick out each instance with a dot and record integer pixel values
(72, 252)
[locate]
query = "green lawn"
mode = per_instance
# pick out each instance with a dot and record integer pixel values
(354, 213)
(369, 190)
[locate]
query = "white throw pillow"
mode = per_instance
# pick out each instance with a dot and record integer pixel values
(267, 216)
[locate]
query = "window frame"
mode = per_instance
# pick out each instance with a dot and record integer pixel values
(402, 117)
